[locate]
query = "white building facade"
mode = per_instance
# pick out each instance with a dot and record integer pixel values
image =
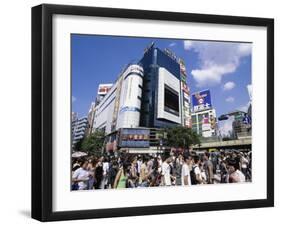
(120, 108)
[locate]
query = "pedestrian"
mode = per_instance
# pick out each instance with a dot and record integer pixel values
(99, 174)
(133, 175)
(185, 172)
(208, 167)
(166, 172)
(121, 177)
(143, 179)
(112, 172)
(234, 174)
(244, 165)
(80, 177)
(139, 163)
(195, 173)
(223, 171)
(105, 169)
(91, 170)
(203, 173)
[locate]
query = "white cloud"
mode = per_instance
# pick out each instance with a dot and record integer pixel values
(216, 59)
(229, 86)
(172, 44)
(74, 99)
(230, 99)
(187, 44)
(244, 107)
(212, 74)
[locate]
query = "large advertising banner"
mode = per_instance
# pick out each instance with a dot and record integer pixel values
(201, 100)
(138, 138)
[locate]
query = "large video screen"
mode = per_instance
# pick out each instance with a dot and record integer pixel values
(171, 100)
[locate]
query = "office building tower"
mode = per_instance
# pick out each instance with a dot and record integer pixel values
(79, 129)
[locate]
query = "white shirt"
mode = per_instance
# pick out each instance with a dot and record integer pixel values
(203, 175)
(166, 173)
(159, 166)
(197, 171)
(240, 176)
(185, 171)
(81, 174)
(139, 162)
(105, 167)
(244, 163)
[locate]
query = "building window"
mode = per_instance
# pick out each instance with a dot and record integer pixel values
(171, 100)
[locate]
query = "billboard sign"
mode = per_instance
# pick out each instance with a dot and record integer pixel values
(201, 100)
(182, 66)
(134, 138)
(185, 88)
(104, 88)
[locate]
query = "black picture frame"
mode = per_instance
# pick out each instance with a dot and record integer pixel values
(42, 111)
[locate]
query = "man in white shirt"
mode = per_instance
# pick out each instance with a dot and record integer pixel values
(166, 172)
(185, 172)
(81, 176)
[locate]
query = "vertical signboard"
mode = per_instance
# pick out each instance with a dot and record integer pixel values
(185, 95)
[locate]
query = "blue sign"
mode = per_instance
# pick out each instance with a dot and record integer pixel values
(247, 119)
(201, 100)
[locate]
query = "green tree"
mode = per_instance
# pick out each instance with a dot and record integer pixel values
(181, 137)
(93, 144)
(78, 145)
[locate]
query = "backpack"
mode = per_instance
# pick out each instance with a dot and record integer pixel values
(193, 176)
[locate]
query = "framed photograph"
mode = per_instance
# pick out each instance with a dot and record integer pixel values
(145, 112)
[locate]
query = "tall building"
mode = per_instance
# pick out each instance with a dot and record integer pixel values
(91, 116)
(148, 95)
(242, 120)
(74, 116)
(120, 108)
(241, 125)
(166, 95)
(203, 114)
(79, 129)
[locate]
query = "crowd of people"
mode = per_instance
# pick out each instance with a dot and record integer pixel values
(186, 169)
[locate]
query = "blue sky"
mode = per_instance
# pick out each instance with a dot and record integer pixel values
(222, 67)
